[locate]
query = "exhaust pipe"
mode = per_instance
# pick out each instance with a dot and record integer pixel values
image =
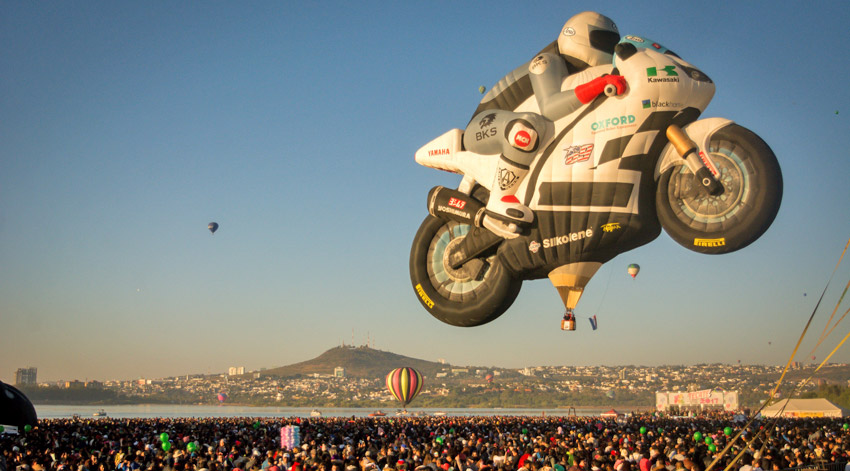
(448, 204)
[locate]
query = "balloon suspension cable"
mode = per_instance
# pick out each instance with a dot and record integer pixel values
(604, 292)
(784, 372)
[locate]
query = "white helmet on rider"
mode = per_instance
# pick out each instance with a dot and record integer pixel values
(589, 37)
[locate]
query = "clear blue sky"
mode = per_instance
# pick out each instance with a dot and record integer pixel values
(128, 126)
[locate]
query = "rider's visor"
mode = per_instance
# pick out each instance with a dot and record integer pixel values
(604, 40)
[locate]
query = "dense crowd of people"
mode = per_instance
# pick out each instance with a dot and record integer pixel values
(494, 443)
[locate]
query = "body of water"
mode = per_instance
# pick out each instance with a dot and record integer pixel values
(54, 411)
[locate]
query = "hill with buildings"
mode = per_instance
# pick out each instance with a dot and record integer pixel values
(358, 362)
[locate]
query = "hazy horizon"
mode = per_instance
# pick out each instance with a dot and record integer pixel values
(247, 370)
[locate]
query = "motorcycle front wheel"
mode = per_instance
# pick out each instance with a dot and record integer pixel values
(752, 192)
(457, 297)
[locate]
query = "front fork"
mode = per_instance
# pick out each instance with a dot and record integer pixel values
(697, 160)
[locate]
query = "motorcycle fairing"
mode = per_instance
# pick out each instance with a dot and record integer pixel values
(592, 189)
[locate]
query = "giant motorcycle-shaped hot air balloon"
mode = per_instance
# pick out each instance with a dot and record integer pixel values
(607, 179)
(404, 384)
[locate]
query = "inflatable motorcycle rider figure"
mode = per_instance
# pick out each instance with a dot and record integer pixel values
(587, 40)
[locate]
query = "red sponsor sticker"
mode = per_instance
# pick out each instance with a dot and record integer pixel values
(457, 203)
(522, 139)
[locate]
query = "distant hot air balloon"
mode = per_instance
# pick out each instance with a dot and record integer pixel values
(489, 377)
(404, 384)
(634, 269)
(222, 397)
(482, 88)
(213, 226)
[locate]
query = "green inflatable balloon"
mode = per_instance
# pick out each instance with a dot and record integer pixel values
(846, 426)
(660, 430)
(728, 430)
(166, 446)
(643, 430)
(163, 437)
(439, 440)
(697, 436)
(712, 448)
(27, 428)
(708, 440)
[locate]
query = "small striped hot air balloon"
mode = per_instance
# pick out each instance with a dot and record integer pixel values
(404, 384)
(634, 268)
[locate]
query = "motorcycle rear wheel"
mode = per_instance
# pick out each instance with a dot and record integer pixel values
(455, 296)
(752, 183)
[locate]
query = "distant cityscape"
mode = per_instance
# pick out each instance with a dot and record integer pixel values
(565, 385)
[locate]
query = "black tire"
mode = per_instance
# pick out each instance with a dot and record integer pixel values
(752, 183)
(453, 296)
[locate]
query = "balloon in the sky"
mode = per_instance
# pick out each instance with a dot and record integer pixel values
(482, 88)
(634, 268)
(404, 384)
(213, 226)
(222, 397)
(15, 408)
(609, 180)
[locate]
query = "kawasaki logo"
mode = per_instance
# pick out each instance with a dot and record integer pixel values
(669, 74)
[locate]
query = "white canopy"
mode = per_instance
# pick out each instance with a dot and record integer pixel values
(804, 408)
